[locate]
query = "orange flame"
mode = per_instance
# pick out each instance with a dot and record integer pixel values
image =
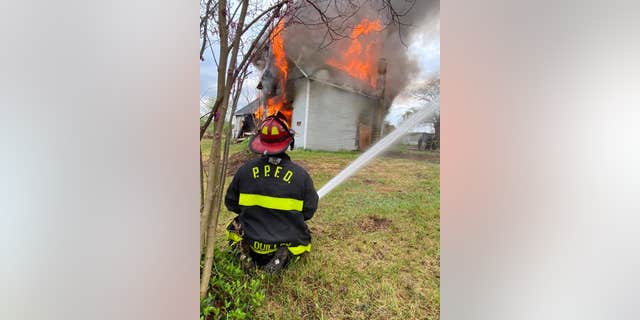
(259, 112)
(359, 61)
(277, 103)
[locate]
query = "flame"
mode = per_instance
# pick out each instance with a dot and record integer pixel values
(276, 104)
(259, 112)
(359, 61)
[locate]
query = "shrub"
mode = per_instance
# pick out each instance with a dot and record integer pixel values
(234, 294)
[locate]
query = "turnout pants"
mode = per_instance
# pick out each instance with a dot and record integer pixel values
(261, 253)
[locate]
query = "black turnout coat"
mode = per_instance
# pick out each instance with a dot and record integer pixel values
(273, 201)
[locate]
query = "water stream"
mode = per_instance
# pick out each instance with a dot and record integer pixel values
(377, 148)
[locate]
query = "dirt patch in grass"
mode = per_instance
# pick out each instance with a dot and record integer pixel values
(368, 181)
(317, 229)
(374, 223)
(303, 164)
(428, 156)
(381, 187)
(237, 159)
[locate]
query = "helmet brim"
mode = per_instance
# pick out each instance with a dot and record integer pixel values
(257, 145)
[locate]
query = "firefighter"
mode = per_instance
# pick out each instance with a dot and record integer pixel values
(273, 197)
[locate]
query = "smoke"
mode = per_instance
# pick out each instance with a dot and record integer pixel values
(310, 41)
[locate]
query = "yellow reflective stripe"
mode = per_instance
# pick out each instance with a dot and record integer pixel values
(274, 131)
(300, 249)
(233, 236)
(297, 250)
(248, 199)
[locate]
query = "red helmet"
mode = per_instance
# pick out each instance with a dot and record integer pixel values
(273, 137)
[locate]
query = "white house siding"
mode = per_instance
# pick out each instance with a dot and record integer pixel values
(236, 125)
(333, 117)
(298, 123)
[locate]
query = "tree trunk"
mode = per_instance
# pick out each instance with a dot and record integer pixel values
(211, 205)
(214, 158)
(201, 183)
(227, 141)
(207, 228)
(214, 185)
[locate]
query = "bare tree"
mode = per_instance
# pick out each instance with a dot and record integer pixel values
(428, 93)
(227, 23)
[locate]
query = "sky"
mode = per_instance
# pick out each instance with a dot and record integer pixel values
(424, 48)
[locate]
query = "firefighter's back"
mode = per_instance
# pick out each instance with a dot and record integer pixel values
(271, 195)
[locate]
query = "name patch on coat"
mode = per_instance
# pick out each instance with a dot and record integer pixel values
(268, 170)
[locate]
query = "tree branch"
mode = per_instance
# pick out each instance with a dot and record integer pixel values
(252, 50)
(203, 25)
(256, 19)
(206, 124)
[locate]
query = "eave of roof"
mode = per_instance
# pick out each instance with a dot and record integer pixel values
(251, 107)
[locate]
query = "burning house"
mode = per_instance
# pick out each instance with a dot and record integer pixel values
(336, 102)
(244, 121)
(332, 115)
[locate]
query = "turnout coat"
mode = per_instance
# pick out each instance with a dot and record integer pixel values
(273, 198)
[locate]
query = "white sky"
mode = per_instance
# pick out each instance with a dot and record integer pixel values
(425, 49)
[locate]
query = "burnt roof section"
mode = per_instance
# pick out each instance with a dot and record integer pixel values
(372, 93)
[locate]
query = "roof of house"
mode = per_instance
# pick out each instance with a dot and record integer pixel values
(253, 105)
(249, 108)
(370, 93)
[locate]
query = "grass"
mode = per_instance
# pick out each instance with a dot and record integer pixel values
(206, 148)
(376, 252)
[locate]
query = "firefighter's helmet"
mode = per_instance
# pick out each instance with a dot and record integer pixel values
(273, 137)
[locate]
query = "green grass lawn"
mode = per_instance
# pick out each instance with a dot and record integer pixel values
(376, 252)
(206, 148)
